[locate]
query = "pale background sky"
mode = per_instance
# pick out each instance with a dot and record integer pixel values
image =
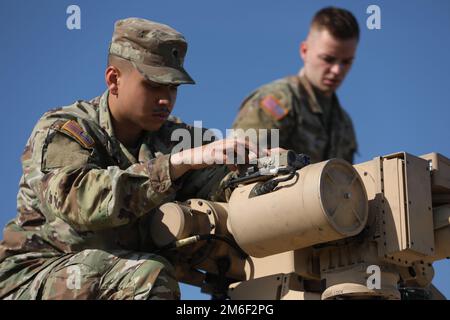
(396, 92)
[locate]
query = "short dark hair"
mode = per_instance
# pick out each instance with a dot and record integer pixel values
(341, 23)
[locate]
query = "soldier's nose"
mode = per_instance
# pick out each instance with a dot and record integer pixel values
(336, 68)
(164, 101)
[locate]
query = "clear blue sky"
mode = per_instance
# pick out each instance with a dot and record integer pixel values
(396, 93)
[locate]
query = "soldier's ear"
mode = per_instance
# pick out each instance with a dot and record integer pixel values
(303, 49)
(112, 79)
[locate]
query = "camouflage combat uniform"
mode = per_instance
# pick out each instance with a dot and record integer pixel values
(85, 200)
(83, 209)
(309, 122)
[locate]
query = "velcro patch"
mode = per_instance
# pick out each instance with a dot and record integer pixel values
(273, 107)
(72, 128)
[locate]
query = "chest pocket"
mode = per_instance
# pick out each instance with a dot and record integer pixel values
(309, 135)
(343, 141)
(346, 146)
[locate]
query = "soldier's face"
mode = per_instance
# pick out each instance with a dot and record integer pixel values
(146, 104)
(327, 60)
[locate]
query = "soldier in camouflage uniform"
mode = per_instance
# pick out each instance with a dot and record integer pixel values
(94, 171)
(305, 107)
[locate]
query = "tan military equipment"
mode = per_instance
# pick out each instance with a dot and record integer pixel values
(330, 231)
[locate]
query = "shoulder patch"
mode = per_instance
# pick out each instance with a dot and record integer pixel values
(273, 107)
(73, 129)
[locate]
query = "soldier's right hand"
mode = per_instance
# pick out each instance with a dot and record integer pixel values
(231, 151)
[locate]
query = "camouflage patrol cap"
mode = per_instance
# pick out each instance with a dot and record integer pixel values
(156, 50)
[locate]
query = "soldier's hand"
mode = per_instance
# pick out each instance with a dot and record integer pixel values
(230, 151)
(277, 150)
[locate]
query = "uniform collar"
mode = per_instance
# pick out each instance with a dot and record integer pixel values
(145, 153)
(104, 114)
(314, 104)
(312, 99)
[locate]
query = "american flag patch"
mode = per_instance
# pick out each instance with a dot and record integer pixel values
(72, 128)
(273, 107)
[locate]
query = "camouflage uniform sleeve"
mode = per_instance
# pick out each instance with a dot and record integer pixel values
(208, 184)
(71, 185)
(270, 107)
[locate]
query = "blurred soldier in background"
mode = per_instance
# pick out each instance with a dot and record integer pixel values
(305, 107)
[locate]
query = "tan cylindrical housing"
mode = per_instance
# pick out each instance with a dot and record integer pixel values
(326, 201)
(173, 221)
(352, 284)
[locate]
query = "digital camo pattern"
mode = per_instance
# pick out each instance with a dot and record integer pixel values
(75, 197)
(306, 126)
(155, 49)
